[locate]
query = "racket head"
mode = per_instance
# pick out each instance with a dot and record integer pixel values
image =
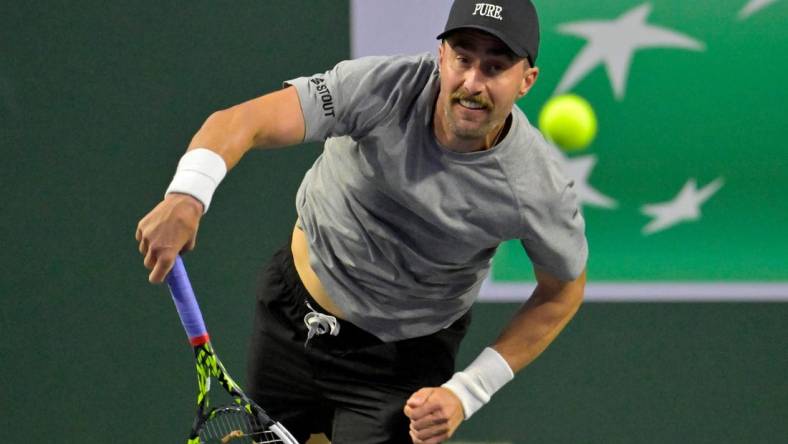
(234, 424)
(237, 420)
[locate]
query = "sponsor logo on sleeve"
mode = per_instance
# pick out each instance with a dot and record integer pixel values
(325, 96)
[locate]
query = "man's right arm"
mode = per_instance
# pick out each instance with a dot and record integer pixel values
(273, 120)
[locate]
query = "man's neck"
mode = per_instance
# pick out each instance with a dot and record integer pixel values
(460, 145)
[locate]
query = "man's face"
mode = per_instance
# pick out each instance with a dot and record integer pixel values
(480, 81)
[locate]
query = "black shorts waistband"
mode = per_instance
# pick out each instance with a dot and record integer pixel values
(293, 305)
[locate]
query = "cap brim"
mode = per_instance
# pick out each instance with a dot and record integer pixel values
(519, 52)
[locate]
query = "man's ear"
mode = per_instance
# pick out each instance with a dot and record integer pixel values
(529, 78)
(440, 53)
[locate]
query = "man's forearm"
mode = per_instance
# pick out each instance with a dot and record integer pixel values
(224, 133)
(528, 334)
(539, 321)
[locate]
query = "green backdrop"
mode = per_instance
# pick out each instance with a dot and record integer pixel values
(706, 110)
(97, 102)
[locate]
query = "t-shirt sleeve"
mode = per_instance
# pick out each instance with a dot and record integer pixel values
(357, 95)
(555, 240)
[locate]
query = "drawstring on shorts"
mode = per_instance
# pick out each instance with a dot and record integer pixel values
(319, 324)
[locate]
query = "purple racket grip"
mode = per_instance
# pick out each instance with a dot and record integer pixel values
(186, 303)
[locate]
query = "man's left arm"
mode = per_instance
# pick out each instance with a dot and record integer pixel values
(436, 412)
(540, 319)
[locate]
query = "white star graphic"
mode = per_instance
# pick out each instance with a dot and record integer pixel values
(579, 169)
(686, 206)
(614, 42)
(754, 6)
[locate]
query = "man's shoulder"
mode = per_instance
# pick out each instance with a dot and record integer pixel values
(393, 82)
(391, 67)
(529, 140)
(533, 158)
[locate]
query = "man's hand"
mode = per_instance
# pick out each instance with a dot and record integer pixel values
(435, 413)
(171, 227)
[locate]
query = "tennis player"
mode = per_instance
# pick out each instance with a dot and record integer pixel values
(428, 166)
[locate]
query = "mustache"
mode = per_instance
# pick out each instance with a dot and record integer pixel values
(475, 98)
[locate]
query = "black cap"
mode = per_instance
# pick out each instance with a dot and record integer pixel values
(513, 21)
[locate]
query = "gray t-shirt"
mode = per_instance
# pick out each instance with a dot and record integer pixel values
(401, 230)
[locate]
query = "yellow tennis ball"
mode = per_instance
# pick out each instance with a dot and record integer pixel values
(568, 121)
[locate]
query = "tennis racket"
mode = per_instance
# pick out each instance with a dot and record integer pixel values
(241, 421)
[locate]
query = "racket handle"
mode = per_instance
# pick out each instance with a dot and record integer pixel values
(186, 303)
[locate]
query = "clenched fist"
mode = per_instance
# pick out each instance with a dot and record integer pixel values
(435, 413)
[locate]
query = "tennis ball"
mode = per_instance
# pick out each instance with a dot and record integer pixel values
(568, 121)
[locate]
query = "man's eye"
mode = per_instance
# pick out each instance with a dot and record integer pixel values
(494, 69)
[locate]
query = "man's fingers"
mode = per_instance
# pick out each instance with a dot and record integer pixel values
(423, 412)
(191, 244)
(150, 259)
(143, 247)
(141, 239)
(435, 433)
(429, 436)
(419, 397)
(430, 421)
(161, 269)
(160, 262)
(416, 401)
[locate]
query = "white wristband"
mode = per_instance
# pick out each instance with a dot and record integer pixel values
(199, 173)
(479, 381)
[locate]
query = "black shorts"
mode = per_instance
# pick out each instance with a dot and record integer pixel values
(352, 386)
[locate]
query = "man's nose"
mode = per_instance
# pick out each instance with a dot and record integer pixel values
(474, 80)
